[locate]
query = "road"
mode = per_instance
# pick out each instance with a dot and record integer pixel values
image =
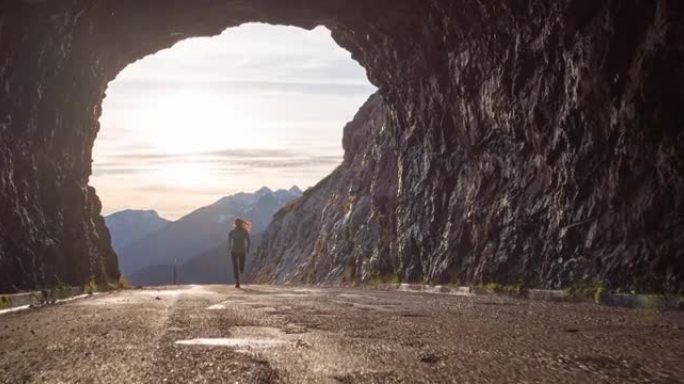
(266, 334)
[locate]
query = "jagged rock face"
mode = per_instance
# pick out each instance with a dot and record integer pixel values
(341, 229)
(535, 141)
(545, 146)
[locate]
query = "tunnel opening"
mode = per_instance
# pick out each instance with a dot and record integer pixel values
(212, 129)
(256, 87)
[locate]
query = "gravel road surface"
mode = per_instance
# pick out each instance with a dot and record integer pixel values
(267, 334)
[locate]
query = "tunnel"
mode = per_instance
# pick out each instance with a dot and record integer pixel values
(531, 142)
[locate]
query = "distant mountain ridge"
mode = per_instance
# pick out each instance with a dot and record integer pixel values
(199, 235)
(131, 225)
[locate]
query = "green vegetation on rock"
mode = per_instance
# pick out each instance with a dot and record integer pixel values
(585, 290)
(122, 283)
(5, 302)
(651, 301)
(90, 287)
(516, 290)
(599, 295)
(391, 279)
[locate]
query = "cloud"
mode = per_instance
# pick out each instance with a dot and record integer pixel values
(221, 85)
(144, 160)
(223, 162)
(227, 153)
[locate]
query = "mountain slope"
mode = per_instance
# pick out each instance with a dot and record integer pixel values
(129, 226)
(339, 229)
(200, 232)
(211, 267)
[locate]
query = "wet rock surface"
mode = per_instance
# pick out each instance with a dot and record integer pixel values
(315, 335)
(535, 142)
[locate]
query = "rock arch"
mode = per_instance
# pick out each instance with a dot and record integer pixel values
(536, 142)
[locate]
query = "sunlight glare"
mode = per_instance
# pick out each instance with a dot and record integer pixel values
(188, 175)
(189, 122)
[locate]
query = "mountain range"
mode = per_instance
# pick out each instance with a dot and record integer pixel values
(129, 226)
(149, 246)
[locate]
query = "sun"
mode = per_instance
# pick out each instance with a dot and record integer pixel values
(191, 121)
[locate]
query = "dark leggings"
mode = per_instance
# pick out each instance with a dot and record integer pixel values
(238, 264)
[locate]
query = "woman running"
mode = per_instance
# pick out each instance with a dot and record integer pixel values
(238, 245)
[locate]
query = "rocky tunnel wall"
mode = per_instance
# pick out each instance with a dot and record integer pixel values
(537, 142)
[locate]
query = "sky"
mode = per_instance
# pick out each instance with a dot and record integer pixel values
(258, 105)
